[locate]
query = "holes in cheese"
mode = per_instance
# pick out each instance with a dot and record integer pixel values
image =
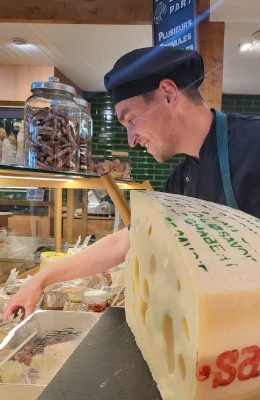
(150, 228)
(137, 270)
(146, 289)
(148, 225)
(133, 287)
(186, 328)
(182, 367)
(168, 339)
(152, 267)
(143, 308)
(179, 286)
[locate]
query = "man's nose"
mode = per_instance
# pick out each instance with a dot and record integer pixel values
(132, 139)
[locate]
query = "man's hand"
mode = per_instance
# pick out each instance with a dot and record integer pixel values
(25, 299)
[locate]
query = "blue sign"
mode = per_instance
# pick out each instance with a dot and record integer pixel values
(35, 194)
(174, 25)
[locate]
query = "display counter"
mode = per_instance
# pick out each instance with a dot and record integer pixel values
(33, 350)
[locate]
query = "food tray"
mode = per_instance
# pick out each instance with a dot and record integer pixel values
(36, 325)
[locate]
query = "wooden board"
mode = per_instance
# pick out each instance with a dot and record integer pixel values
(121, 12)
(203, 6)
(211, 46)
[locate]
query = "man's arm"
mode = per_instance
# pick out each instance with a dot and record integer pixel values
(103, 255)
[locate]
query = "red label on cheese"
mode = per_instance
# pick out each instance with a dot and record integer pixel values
(231, 366)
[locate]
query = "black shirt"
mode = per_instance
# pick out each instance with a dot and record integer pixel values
(202, 178)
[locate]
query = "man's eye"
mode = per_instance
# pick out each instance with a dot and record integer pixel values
(132, 121)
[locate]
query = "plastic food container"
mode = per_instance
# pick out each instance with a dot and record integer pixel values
(96, 300)
(49, 258)
(51, 127)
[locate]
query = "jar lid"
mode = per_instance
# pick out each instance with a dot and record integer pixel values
(53, 84)
(81, 102)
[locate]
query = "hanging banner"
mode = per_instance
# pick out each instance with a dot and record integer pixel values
(173, 23)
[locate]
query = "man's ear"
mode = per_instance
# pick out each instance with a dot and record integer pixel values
(170, 90)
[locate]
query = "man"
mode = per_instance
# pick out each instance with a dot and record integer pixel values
(156, 97)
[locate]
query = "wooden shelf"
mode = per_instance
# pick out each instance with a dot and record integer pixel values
(27, 177)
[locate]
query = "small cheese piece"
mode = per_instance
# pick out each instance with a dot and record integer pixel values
(193, 296)
(11, 372)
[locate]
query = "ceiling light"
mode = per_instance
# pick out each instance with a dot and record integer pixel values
(20, 41)
(17, 188)
(245, 46)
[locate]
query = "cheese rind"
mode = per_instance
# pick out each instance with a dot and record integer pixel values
(193, 296)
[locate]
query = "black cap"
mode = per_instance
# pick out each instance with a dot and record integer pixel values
(141, 71)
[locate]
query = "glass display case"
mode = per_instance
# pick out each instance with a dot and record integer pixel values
(50, 210)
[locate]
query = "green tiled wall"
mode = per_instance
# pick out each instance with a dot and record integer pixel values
(241, 104)
(109, 135)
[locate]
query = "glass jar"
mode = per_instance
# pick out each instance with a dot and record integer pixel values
(118, 163)
(51, 124)
(86, 133)
(100, 165)
(121, 165)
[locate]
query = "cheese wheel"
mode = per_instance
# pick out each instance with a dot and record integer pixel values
(193, 296)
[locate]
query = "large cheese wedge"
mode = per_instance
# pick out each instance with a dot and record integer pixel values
(193, 296)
